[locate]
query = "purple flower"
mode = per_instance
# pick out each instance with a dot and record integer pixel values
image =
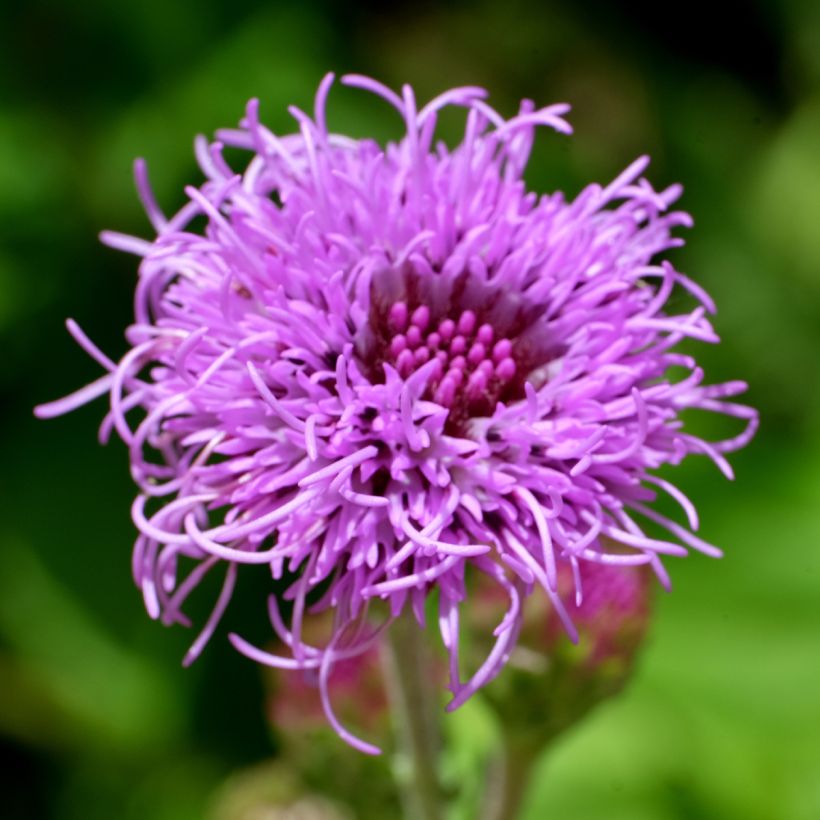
(379, 371)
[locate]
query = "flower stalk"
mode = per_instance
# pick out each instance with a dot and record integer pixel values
(412, 696)
(508, 776)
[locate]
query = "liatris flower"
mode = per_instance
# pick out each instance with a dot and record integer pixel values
(381, 370)
(550, 683)
(553, 683)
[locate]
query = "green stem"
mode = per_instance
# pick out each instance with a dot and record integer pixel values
(508, 778)
(412, 696)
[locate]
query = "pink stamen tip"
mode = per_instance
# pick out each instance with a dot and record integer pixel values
(466, 322)
(458, 363)
(455, 376)
(438, 370)
(476, 385)
(445, 392)
(421, 355)
(485, 334)
(398, 316)
(433, 341)
(486, 367)
(443, 357)
(397, 344)
(458, 345)
(476, 353)
(405, 363)
(505, 369)
(447, 328)
(421, 317)
(413, 337)
(502, 350)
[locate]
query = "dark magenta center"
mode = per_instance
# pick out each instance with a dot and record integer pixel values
(472, 360)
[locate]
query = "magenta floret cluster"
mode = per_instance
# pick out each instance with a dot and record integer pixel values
(381, 369)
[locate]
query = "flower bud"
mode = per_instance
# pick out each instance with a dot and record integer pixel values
(552, 683)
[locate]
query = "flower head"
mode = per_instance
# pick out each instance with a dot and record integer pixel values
(379, 370)
(549, 683)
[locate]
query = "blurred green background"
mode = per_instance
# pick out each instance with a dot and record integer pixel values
(97, 718)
